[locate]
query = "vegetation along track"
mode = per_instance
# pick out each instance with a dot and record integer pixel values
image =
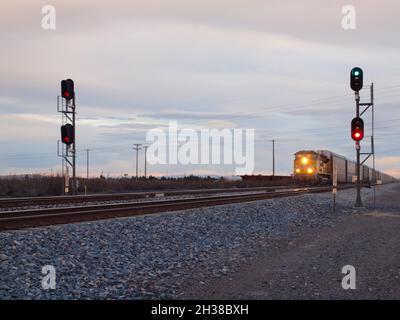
(49, 216)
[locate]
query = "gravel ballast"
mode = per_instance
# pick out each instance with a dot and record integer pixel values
(158, 256)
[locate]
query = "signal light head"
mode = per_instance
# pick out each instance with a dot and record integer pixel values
(67, 134)
(356, 79)
(67, 89)
(357, 129)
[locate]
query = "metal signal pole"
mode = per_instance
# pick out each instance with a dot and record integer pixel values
(74, 149)
(334, 187)
(373, 142)
(372, 152)
(358, 198)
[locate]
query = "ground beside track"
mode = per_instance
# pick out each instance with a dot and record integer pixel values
(309, 266)
(278, 248)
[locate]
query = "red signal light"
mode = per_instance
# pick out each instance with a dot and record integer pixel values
(357, 129)
(357, 135)
(67, 89)
(67, 134)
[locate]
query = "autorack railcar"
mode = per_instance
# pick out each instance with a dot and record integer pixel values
(316, 166)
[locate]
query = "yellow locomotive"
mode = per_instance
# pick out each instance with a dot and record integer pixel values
(317, 167)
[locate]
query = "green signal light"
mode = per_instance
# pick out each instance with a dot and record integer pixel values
(356, 72)
(356, 79)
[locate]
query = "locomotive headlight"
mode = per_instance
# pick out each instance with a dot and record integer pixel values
(304, 160)
(310, 170)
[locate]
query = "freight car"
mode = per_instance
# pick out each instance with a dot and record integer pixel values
(317, 167)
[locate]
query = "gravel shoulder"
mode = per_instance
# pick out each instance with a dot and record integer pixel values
(279, 248)
(309, 267)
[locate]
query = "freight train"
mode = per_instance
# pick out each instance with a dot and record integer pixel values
(317, 167)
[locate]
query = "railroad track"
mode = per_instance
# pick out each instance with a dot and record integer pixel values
(54, 200)
(13, 220)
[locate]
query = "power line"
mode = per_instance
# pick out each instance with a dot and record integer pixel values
(299, 134)
(267, 110)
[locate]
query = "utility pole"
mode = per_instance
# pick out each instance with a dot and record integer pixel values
(273, 157)
(145, 162)
(137, 148)
(87, 170)
(87, 164)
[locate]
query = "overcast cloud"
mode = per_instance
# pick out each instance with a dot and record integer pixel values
(280, 67)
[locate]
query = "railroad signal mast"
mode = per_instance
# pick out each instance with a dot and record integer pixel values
(67, 151)
(357, 126)
(356, 83)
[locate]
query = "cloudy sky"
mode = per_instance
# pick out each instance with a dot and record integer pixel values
(280, 67)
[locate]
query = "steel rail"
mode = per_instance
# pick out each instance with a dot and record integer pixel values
(43, 217)
(48, 200)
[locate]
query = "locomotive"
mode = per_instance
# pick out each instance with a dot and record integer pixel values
(317, 167)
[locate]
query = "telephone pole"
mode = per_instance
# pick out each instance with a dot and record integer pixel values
(87, 169)
(145, 162)
(87, 164)
(136, 146)
(273, 157)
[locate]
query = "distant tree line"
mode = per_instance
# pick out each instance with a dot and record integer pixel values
(39, 185)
